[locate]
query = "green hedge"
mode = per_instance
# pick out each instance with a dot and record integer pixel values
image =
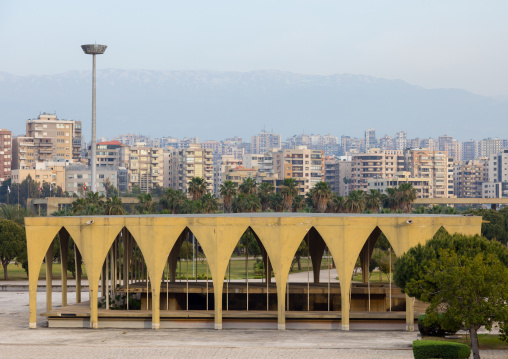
(434, 329)
(426, 349)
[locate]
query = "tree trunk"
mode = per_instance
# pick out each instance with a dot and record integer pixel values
(5, 264)
(297, 261)
(474, 342)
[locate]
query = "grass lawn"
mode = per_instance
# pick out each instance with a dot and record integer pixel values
(238, 268)
(375, 277)
(487, 341)
(16, 272)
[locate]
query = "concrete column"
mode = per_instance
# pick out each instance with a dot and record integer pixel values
(344, 307)
(49, 277)
(125, 265)
(217, 293)
(33, 279)
(366, 253)
(156, 290)
(93, 286)
(281, 304)
(64, 254)
(410, 314)
(77, 261)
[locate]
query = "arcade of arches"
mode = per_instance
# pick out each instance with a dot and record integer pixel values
(160, 271)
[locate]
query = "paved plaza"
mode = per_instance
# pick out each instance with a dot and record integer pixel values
(17, 341)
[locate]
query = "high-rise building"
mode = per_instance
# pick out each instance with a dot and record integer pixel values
(443, 141)
(306, 166)
(47, 138)
(264, 142)
(432, 165)
(489, 146)
(5, 154)
(186, 163)
(375, 163)
(145, 166)
(220, 168)
(421, 185)
(370, 139)
(386, 143)
(429, 144)
(401, 140)
(453, 149)
(497, 185)
(469, 177)
(469, 150)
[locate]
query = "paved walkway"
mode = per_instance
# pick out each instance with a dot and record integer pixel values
(17, 341)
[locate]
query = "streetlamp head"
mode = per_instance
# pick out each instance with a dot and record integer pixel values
(93, 49)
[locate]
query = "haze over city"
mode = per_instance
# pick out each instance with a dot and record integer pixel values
(452, 45)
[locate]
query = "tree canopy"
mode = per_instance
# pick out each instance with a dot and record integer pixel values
(12, 242)
(461, 277)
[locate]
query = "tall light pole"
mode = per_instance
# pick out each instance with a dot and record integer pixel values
(93, 49)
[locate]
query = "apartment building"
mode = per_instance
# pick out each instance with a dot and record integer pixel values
(490, 146)
(422, 185)
(186, 163)
(238, 174)
(375, 163)
(306, 166)
(5, 154)
(49, 172)
(78, 179)
(370, 139)
(469, 177)
(219, 169)
(145, 166)
(401, 140)
(432, 165)
(469, 150)
(47, 138)
(264, 142)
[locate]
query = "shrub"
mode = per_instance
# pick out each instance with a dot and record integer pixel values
(426, 349)
(433, 329)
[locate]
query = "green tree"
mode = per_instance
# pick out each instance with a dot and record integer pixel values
(246, 203)
(373, 200)
(248, 186)
(321, 194)
(265, 191)
(289, 191)
(172, 200)
(12, 242)
(197, 188)
(461, 277)
(146, 205)
(14, 213)
(407, 195)
(114, 206)
(228, 191)
(276, 202)
(355, 201)
(337, 204)
(209, 203)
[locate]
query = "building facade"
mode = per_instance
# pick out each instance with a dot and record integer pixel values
(5, 154)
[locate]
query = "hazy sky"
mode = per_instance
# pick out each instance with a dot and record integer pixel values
(452, 43)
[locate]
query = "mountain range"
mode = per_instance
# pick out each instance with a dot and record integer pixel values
(217, 105)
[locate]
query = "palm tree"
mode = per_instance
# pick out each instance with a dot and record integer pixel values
(298, 204)
(289, 190)
(146, 204)
(277, 202)
(321, 195)
(246, 203)
(197, 188)
(407, 195)
(172, 200)
(373, 200)
(248, 186)
(392, 198)
(78, 206)
(265, 191)
(337, 204)
(355, 201)
(114, 206)
(209, 203)
(228, 191)
(14, 213)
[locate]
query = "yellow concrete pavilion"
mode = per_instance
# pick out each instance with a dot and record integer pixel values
(280, 234)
